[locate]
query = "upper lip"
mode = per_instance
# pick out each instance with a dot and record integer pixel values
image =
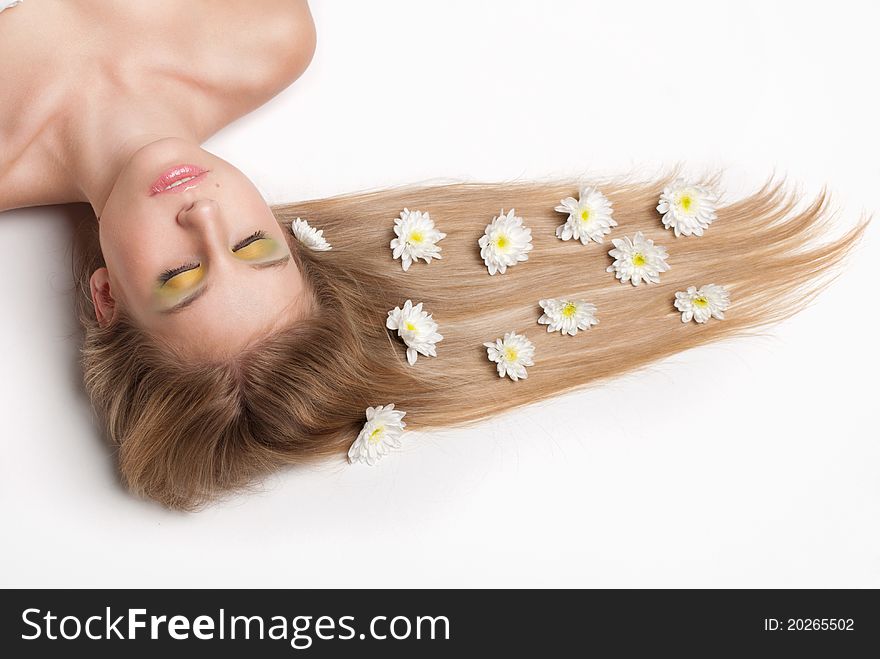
(175, 174)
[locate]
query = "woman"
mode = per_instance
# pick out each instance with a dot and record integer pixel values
(96, 122)
(219, 347)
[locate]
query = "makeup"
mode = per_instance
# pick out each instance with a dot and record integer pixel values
(178, 179)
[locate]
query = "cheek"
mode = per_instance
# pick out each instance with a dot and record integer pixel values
(126, 234)
(132, 257)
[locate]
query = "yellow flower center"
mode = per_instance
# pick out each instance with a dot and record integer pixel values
(568, 310)
(376, 435)
(639, 259)
(686, 202)
(510, 354)
(585, 215)
(501, 242)
(701, 301)
(409, 326)
(416, 237)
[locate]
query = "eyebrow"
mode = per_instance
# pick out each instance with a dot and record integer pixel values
(188, 300)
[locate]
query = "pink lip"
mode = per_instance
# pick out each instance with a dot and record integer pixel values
(177, 173)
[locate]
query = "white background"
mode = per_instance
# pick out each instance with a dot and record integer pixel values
(749, 463)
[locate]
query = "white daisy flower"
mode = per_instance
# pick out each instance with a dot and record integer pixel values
(416, 238)
(589, 217)
(311, 238)
(701, 304)
(505, 242)
(379, 435)
(687, 208)
(512, 354)
(567, 316)
(417, 329)
(637, 259)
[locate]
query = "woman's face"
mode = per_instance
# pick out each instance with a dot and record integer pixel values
(202, 264)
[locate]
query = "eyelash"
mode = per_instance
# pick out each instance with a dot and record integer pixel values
(256, 235)
(173, 272)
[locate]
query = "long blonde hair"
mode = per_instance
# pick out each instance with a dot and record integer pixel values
(189, 432)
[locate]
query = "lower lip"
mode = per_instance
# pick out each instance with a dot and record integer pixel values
(191, 175)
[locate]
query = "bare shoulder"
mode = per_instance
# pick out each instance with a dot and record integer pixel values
(239, 55)
(292, 31)
(285, 32)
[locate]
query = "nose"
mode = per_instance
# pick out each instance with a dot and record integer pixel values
(198, 212)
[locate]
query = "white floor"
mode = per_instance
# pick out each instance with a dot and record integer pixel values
(784, 491)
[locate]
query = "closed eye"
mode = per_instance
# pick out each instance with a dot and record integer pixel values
(255, 236)
(255, 246)
(188, 300)
(172, 278)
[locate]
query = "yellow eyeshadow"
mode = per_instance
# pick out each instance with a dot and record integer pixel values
(258, 249)
(184, 280)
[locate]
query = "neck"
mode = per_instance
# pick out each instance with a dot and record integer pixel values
(98, 140)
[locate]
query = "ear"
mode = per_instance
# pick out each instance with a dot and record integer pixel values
(102, 298)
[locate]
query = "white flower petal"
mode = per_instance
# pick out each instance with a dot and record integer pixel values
(378, 435)
(701, 304)
(589, 217)
(637, 259)
(567, 316)
(417, 328)
(505, 242)
(417, 238)
(687, 209)
(511, 354)
(311, 238)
